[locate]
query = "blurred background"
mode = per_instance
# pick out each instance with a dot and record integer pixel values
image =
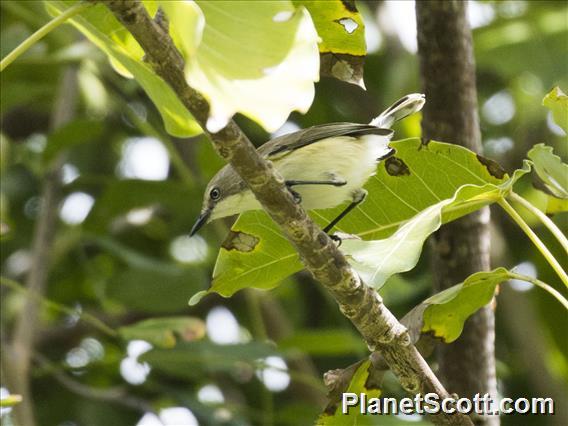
(130, 194)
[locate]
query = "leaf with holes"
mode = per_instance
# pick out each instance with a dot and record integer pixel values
(418, 176)
(342, 33)
(100, 26)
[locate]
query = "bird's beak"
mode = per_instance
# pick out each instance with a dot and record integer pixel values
(201, 220)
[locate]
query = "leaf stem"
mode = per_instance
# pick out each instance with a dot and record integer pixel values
(42, 32)
(536, 241)
(543, 218)
(555, 293)
(88, 318)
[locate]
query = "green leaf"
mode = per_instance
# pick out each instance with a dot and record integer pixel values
(254, 251)
(376, 261)
(165, 332)
(100, 26)
(326, 342)
(256, 58)
(419, 176)
(557, 102)
(551, 170)
(364, 380)
(342, 33)
(191, 360)
(445, 313)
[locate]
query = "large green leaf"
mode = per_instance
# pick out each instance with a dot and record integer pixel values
(257, 58)
(342, 33)
(192, 359)
(551, 170)
(376, 261)
(557, 102)
(165, 332)
(420, 175)
(100, 26)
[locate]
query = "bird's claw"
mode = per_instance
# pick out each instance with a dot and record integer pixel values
(336, 239)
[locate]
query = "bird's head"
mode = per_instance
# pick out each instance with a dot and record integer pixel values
(222, 197)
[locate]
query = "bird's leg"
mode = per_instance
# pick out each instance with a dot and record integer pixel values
(358, 198)
(332, 182)
(298, 198)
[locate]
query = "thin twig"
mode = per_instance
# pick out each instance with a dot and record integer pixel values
(85, 316)
(535, 240)
(42, 32)
(116, 395)
(543, 218)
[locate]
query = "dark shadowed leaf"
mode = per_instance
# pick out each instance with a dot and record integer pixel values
(194, 358)
(165, 332)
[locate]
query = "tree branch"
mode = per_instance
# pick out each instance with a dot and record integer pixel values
(461, 248)
(20, 350)
(358, 302)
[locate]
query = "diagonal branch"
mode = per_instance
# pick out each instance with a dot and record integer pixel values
(358, 302)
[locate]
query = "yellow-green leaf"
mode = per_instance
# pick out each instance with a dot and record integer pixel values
(100, 26)
(551, 170)
(342, 38)
(557, 102)
(256, 58)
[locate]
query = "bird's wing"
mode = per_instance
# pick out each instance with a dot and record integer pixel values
(292, 141)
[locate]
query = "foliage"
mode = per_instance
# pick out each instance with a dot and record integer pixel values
(125, 271)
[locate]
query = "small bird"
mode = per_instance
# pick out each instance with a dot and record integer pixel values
(323, 166)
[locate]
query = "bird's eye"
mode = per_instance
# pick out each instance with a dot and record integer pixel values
(215, 194)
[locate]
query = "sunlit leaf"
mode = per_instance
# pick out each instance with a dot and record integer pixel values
(100, 26)
(557, 102)
(551, 170)
(342, 33)
(256, 58)
(165, 332)
(376, 261)
(419, 176)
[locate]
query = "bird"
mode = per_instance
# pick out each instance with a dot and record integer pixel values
(323, 166)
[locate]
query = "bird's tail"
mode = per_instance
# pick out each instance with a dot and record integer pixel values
(400, 109)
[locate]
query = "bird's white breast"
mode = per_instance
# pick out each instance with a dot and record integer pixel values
(352, 159)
